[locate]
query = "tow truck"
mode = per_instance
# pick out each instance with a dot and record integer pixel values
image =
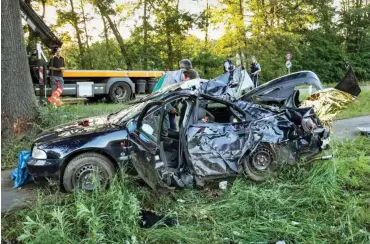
(114, 85)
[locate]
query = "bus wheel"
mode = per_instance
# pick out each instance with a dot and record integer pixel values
(119, 92)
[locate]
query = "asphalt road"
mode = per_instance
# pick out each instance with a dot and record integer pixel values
(18, 198)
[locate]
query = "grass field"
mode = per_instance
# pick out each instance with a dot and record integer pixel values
(359, 108)
(326, 202)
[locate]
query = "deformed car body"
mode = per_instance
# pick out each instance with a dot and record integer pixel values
(219, 136)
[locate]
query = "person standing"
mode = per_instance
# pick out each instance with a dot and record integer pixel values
(186, 72)
(255, 70)
(186, 65)
(228, 65)
(56, 66)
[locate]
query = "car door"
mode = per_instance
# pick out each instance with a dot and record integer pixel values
(215, 148)
(149, 157)
(146, 148)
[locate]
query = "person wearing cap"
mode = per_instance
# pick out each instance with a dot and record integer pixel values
(185, 73)
(186, 64)
(228, 65)
(255, 70)
(172, 109)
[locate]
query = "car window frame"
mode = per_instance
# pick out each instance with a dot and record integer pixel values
(246, 118)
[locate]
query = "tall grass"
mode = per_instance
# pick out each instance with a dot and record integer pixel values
(360, 107)
(324, 202)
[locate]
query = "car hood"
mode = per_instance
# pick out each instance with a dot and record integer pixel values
(77, 128)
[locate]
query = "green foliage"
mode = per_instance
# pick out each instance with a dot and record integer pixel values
(319, 39)
(111, 215)
(358, 108)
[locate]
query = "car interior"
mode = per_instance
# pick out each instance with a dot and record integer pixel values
(207, 111)
(204, 111)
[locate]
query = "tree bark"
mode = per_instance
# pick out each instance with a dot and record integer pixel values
(105, 29)
(243, 30)
(31, 36)
(43, 2)
(145, 46)
(206, 23)
(86, 35)
(116, 33)
(78, 35)
(169, 46)
(18, 100)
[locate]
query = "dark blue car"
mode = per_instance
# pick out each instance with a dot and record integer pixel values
(218, 136)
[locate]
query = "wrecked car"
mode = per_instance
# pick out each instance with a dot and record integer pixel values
(277, 91)
(219, 135)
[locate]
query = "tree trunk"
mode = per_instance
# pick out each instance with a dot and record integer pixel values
(121, 44)
(18, 100)
(169, 46)
(243, 30)
(86, 35)
(116, 33)
(43, 2)
(145, 46)
(78, 35)
(206, 24)
(31, 36)
(105, 30)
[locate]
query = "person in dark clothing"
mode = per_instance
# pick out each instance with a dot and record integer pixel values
(228, 65)
(190, 75)
(172, 109)
(255, 70)
(56, 67)
(186, 65)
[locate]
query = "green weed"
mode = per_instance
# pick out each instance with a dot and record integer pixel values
(360, 107)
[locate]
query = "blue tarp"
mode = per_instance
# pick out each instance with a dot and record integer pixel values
(20, 175)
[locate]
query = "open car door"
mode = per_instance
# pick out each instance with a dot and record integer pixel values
(146, 154)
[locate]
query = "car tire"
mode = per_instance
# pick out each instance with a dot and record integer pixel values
(80, 170)
(119, 92)
(260, 165)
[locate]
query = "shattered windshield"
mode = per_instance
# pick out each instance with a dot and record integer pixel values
(195, 84)
(126, 114)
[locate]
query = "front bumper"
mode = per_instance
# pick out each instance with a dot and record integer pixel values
(44, 168)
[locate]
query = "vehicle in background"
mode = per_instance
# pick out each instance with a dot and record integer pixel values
(115, 86)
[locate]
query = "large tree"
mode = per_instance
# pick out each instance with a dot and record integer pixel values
(18, 100)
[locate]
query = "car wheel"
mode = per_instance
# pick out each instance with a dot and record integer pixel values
(119, 92)
(260, 165)
(86, 171)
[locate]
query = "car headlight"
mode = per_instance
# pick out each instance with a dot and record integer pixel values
(38, 153)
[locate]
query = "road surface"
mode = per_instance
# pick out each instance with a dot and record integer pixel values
(14, 198)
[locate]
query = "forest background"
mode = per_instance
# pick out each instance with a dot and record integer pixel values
(322, 35)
